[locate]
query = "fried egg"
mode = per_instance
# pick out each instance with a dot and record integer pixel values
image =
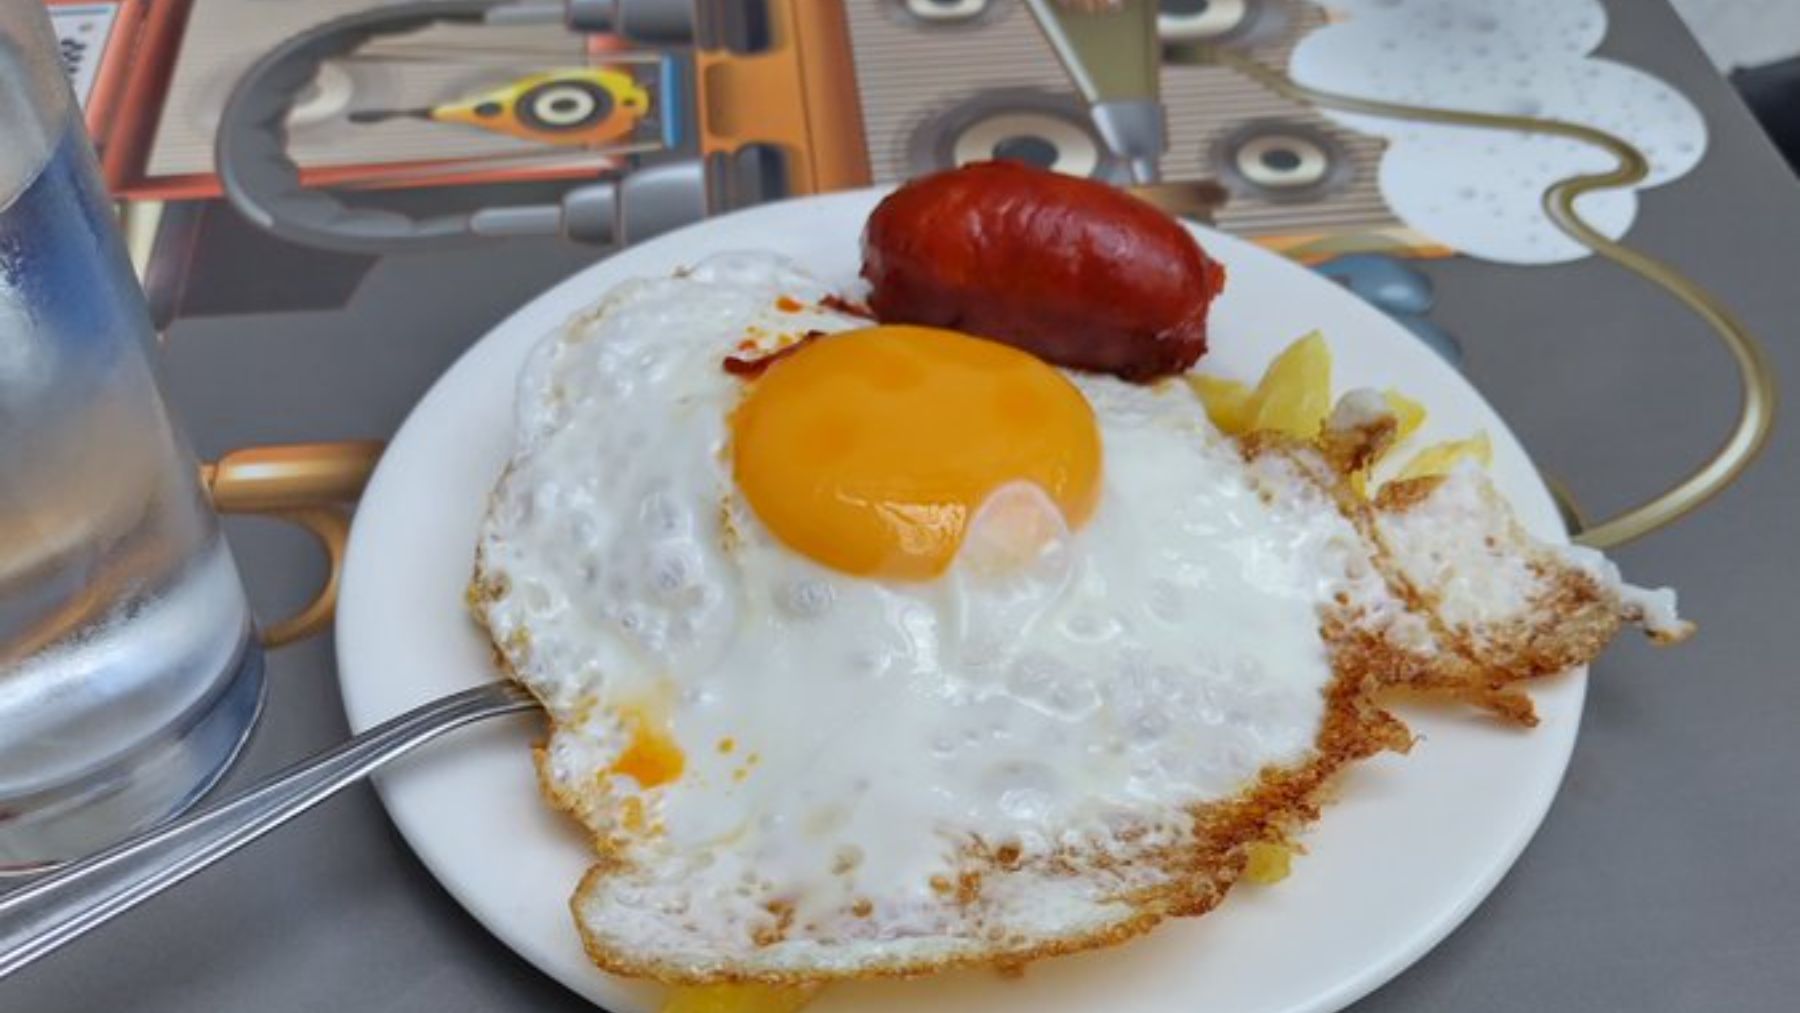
(911, 650)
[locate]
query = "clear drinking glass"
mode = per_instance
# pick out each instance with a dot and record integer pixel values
(129, 673)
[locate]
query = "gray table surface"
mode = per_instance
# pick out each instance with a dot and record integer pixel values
(1664, 879)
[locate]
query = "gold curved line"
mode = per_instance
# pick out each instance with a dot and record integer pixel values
(306, 484)
(331, 526)
(1756, 412)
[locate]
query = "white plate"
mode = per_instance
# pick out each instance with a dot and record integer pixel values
(1413, 844)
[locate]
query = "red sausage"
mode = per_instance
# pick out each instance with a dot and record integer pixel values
(1082, 274)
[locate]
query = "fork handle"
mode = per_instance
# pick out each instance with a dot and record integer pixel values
(53, 909)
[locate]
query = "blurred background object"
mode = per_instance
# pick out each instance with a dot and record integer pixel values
(1757, 43)
(1773, 93)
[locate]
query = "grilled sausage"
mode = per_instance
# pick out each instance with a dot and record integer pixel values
(1080, 273)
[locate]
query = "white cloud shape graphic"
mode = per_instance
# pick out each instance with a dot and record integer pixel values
(1481, 191)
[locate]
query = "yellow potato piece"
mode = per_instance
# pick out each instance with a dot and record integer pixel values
(1408, 413)
(1227, 402)
(1295, 393)
(738, 999)
(1293, 397)
(1268, 863)
(1439, 458)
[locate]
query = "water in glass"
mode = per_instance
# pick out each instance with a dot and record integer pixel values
(128, 671)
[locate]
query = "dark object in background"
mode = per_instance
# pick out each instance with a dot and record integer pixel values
(1772, 91)
(212, 261)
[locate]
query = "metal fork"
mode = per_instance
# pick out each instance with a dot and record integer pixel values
(49, 911)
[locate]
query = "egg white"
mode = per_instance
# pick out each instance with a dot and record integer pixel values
(846, 739)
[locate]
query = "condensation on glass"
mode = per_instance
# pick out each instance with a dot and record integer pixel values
(129, 674)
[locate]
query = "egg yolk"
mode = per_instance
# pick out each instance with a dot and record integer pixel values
(869, 451)
(651, 757)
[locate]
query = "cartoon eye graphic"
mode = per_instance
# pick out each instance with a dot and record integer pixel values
(1280, 161)
(564, 105)
(945, 11)
(1283, 162)
(1199, 20)
(1047, 129)
(1039, 138)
